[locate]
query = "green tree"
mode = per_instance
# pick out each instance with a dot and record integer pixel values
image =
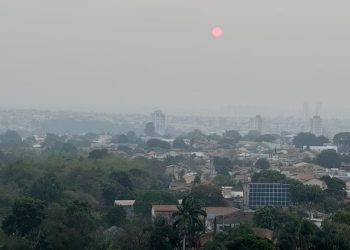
(112, 191)
(68, 150)
(52, 142)
(335, 187)
(213, 245)
(123, 178)
(145, 200)
(135, 234)
(266, 138)
(115, 216)
(267, 217)
(342, 139)
(223, 180)
(150, 129)
(158, 144)
(10, 140)
(2, 156)
(305, 194)
(189, 221)
(233, 134)
(47, 188)
(132, 137)
(321, 140)
(197, 180)
(285, 225)
(196, 135)
(69, 228)
(329, 204)
(29, 141)
(123, 138)
(222, 165)
(252, 135)
(250, 242)
(329, 158)
(242, 238)
(333, 236)
(98, 154)
(163, 235)
(307, 234)
(27, 215)
(342, 216)
(80, 218)
(124, 149)
(305, 139)
(117, 186)
(268, 176)
(208, 196)
(179, 143)
(262, 163)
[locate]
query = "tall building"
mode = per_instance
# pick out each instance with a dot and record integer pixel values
(158, 119)
(256, 123)
(316, 125)
(258, 195)
(306, 116)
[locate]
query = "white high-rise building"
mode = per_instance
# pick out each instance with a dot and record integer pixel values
(316, 125)
(158, 119)
(256, 123)
(306, 116)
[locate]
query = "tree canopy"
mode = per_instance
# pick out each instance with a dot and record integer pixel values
(208, 196)
(342, 139)
(150, 130)
(309, 139)
(179, 143)
(329, 158)
(222, 165)
(11, 139)
(242, 238)
(27, 215)
(145, 200)
(268, 176)
(98, 154)
(233, 134)
(262, 163)
(156, 143)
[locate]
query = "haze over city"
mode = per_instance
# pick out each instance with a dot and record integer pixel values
(174, 125)
(136, 56)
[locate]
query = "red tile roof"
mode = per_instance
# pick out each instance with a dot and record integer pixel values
(220, 210)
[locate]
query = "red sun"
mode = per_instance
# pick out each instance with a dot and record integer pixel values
(216, 32)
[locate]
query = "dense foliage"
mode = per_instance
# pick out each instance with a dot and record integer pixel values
(309, 139)
(239, 239)
(327, 200)
(262, 163)
(50, 201)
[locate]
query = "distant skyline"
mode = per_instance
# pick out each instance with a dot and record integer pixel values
(138, 56)
(239, 111)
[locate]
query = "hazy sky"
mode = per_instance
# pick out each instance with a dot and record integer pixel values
(146, 54)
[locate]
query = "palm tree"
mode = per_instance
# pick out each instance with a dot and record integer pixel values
(189, 220)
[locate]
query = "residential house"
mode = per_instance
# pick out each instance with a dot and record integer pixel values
(180, 187)
(163, 210)
(212, 212)
(233, 220)
(229, 193)
(317, 182)
(189, 177)
(174, 171)
(128, 205)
